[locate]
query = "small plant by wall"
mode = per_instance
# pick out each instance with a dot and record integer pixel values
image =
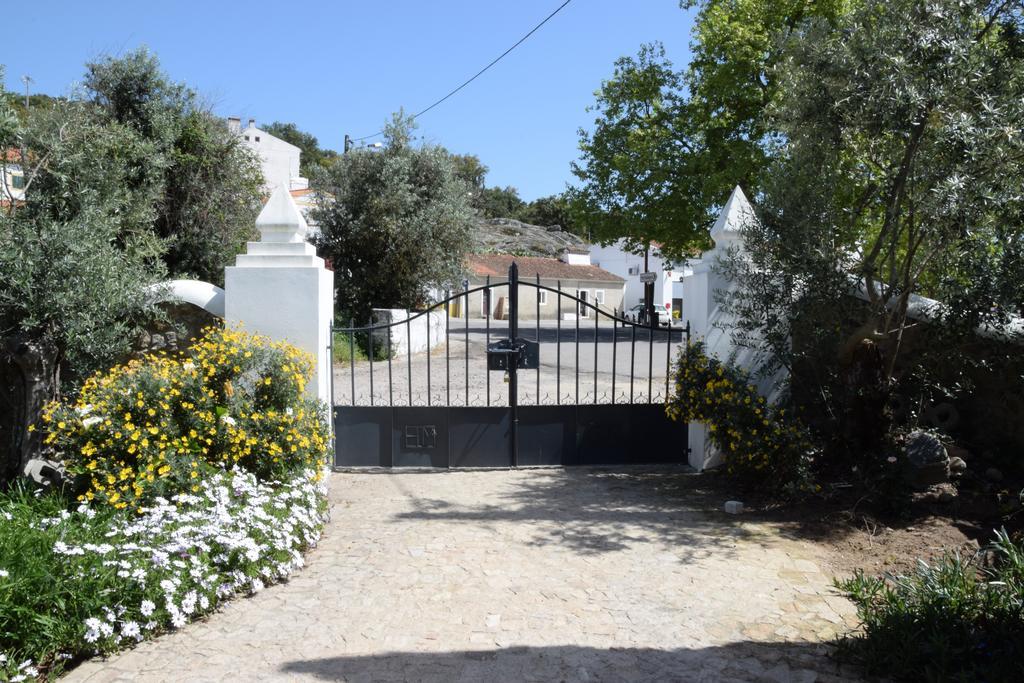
(763, 445)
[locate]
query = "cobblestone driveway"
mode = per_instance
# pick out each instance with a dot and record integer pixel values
(547, 575)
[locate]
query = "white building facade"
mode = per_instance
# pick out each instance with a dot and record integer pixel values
(279, 159)
(668, 283)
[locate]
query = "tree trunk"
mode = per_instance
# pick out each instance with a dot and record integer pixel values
(29, 379)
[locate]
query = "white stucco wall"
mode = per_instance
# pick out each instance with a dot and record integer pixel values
(279, 159)
(416, 335)
(615, 259)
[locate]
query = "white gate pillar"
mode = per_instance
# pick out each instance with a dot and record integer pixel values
(281, 289)
(701, 309)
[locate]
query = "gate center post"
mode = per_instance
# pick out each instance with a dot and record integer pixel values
(513, 384)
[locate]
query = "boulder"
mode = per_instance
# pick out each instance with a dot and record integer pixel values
(927, 460)
(957, 465)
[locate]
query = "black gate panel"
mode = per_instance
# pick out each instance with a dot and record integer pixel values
(420, 437)
(478, 437)
(596, 411)
(631, 434)
(362, 436)
(547, 435)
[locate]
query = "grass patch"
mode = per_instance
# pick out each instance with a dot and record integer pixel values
(955, 620)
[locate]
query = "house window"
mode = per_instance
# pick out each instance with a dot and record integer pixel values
(542, 297)
(18, 181)
(634, 270)
(257, 138)
(599, 297)
(247, 138)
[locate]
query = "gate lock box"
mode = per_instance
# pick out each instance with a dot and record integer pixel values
(504, 354)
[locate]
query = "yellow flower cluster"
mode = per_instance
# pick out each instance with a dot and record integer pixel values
(155, 426)
(756, 439)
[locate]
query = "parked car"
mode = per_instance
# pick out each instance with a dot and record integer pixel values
(638, 314)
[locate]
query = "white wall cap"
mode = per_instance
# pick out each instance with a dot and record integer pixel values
(202, 294)
(735, 216)
(280, 220)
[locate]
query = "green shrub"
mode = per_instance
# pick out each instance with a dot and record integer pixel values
(156, 426)
(951, 621)
(761, 443)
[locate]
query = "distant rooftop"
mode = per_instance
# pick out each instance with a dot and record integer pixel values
(496, 265)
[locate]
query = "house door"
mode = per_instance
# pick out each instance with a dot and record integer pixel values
(485, 300)
(581, 308)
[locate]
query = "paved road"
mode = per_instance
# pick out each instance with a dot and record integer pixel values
(537, 575)
(595, 351)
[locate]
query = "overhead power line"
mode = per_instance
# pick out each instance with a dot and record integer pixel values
(480, 72)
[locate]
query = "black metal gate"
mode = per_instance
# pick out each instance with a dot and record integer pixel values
(395, 408)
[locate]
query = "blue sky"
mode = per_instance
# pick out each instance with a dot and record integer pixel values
(342, 67)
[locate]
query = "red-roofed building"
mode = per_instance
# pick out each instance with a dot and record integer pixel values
(573, 273)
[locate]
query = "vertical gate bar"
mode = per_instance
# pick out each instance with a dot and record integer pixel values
(447, 347)
(597, 320)
(466, 304)
(579, 310)
(615, 341)
(650, 355)
(668, 360)
(330, 355)
(369, 330)
(408, 353)
(391, 391)
(352, 355)
(558, 348)
(513, 370)
(428, 357)
(632, 362)
(538, 339)
(485, 296)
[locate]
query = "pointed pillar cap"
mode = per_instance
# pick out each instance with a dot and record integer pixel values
(280, 220)
(736, 215)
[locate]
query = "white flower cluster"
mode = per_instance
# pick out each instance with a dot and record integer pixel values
(235, 535)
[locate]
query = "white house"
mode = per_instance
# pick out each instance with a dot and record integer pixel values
(280, 159)
(12, 178)
(668, 283)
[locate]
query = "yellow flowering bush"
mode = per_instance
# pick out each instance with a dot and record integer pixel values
(762, 445)
(154, 426)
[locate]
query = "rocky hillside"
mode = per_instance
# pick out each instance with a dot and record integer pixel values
(508, 236)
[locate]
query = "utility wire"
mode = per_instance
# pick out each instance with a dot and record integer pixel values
(478, 73)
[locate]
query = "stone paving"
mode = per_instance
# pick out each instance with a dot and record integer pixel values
(536, 575)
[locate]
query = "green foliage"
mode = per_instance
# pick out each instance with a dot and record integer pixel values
(761, 444)
(399, 223)
(951, 621)
(898, 167)
(81, 581)
(313, 156)
(211, 184)
(498, 202)
(668, 146)
(211, 200)
(552, 210)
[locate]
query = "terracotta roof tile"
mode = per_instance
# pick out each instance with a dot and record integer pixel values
(496, 265)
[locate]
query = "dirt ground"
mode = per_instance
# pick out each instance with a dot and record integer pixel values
(856, 535)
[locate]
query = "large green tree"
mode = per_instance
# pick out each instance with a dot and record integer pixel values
(210, 182)
(898, 172)
(398, 222)
(314, 157)
(667, 145)
(75, 258)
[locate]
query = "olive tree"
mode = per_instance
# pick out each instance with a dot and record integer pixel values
(393, 222)
(898, 170)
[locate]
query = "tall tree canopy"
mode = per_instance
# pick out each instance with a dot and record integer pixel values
(397, 222)
(668, 145)
(210, 182)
